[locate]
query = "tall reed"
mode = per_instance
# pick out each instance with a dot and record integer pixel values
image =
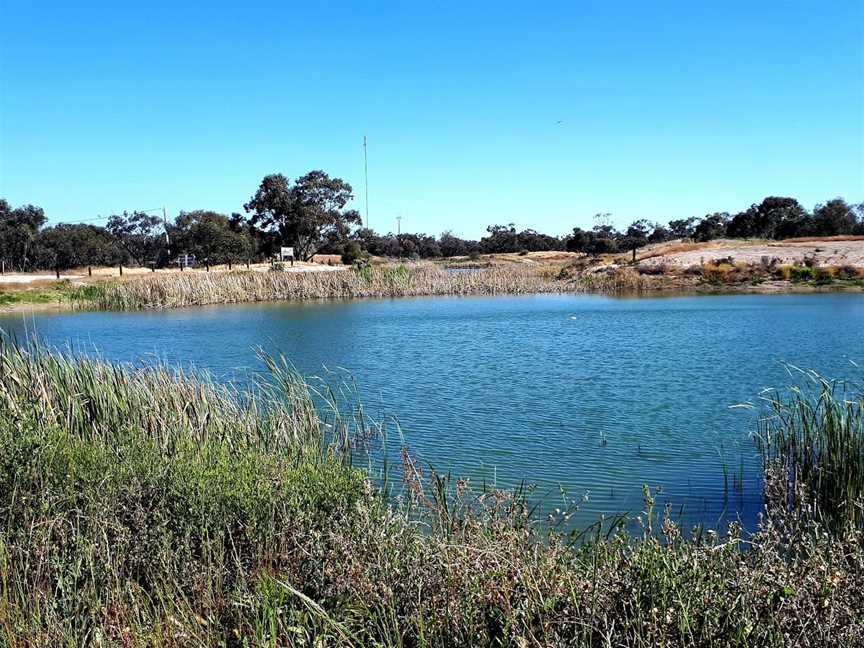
(188, 289)
(93, 400)
(814, 441)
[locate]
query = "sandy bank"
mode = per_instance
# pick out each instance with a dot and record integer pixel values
(823, 252)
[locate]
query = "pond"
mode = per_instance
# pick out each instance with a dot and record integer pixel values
(574, 394)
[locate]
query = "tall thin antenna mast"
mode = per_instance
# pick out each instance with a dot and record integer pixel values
(366, 174)
(398, 226)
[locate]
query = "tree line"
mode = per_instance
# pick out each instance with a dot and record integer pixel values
(310, 214)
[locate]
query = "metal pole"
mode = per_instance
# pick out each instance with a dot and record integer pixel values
(366, 176)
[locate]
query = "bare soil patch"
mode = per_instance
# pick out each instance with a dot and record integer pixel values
(832, 252)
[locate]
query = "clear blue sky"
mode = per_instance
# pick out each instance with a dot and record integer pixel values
(666, 110)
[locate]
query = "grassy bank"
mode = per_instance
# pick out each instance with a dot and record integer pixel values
(154, 508)
(55, 294)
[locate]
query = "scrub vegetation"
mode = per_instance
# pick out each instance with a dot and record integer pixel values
(152, 507)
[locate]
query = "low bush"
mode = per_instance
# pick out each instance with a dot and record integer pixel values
(824, 275)
(352, 252)
(718, 272)
(655, 269)
(802, 273)
(848, 272)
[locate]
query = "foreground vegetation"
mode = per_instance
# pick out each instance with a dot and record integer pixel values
(155, 508)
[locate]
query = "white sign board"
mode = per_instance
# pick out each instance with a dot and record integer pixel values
(285, 253)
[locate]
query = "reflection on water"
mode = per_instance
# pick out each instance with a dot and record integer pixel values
(580, 393)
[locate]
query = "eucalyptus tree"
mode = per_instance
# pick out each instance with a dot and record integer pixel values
(306, 214)
(19, 228)
(142, 235)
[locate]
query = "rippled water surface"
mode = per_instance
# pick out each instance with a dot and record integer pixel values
(583, 393)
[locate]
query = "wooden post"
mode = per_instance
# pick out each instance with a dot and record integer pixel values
(229, 265)
(247, 262)
(207, 263)
(634, 255)
(121, 269)
(89, 271)
(57, 270)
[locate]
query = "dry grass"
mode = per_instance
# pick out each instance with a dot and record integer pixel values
(384, 281)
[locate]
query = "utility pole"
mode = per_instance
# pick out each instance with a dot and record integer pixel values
(167, 240)
(366, 176)
(398, 225)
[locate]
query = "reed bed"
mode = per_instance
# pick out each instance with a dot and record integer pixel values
(177, 290)
(94, 400)
(146, 507)
(814, 442)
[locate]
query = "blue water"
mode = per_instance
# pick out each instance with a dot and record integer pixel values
(580, 393)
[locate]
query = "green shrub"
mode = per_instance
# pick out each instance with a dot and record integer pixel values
(823, 275)
(801, 273)
(351, 252)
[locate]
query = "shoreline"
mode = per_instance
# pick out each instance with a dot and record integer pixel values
(666, 289)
